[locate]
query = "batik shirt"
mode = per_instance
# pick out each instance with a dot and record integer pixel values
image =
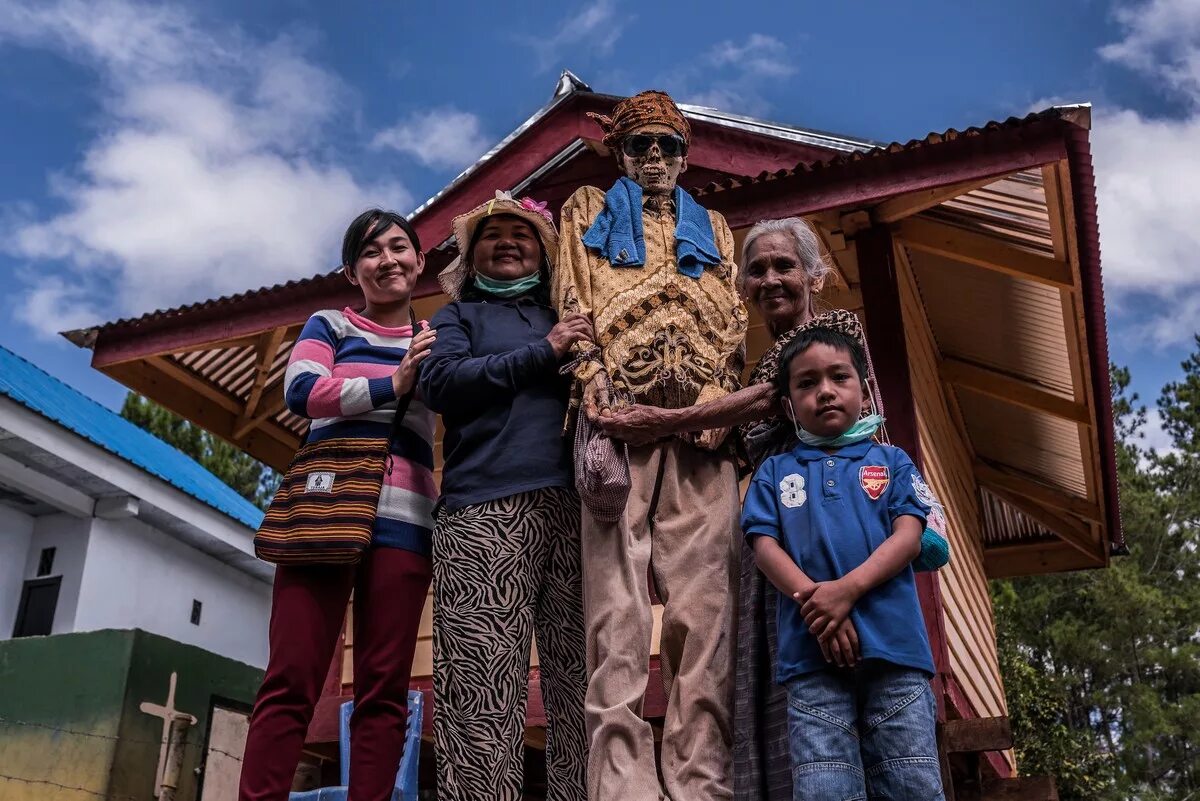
(665, 339)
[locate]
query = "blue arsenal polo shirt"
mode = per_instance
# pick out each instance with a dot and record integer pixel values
(830, 512)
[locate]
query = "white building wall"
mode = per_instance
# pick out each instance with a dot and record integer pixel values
(69, 537)
(139, 577)
(16, 532)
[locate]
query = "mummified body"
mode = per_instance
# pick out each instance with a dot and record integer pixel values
(655, 272)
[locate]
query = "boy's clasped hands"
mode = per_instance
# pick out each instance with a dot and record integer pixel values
(826, 608)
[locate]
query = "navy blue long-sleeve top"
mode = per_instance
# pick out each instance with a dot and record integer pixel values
(493, 377)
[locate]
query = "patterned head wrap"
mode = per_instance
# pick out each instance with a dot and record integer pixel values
(644, 108)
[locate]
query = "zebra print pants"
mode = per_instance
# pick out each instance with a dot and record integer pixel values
(501, 570)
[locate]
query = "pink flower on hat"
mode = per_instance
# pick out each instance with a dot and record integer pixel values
(539, 208)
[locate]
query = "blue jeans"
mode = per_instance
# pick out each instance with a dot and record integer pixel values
(863, 733)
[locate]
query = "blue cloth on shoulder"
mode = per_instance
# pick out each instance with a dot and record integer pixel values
(617, 230)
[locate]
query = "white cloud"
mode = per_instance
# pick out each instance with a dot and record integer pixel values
(592, 29)
(1154, 436)
(1148, 186)
(204, 177)
(53, 306)
(1161, 38)
(758, 55)
(443, 137)
(732, 76)
(1148, 177)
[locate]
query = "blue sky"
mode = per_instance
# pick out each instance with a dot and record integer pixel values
(159, 154)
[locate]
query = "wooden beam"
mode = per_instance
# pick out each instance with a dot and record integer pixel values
(972, 735)
(1067, 527)
(896, 209)
(878, 272)
(268, 349)
(270, 443)
(984, 251)
(1022, 788)
(1033, 559)
(1055, 209)
(995, 478)
(1013, 390)
(194, 382)
(245, 426)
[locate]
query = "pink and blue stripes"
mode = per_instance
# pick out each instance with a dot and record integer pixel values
(340, 376)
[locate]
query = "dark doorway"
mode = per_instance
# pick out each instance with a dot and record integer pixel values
(39, 599)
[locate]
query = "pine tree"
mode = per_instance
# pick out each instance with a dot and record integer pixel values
(250, 478)
(1102, 667)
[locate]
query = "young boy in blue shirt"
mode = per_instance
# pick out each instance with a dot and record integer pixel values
(835, 524)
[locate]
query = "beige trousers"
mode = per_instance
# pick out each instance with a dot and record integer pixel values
(681, 522)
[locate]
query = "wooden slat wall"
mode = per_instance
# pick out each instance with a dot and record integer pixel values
(970, 627)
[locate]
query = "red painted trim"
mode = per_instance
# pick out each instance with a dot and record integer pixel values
(219, 321)
(1083, 187)
(873, 178)
(889, 353)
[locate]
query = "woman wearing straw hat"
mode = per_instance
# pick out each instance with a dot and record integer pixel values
(506, 545)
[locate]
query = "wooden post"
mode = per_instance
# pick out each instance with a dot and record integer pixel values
(889, 354)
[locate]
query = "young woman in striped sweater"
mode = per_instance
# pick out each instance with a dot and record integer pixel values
(346, 372)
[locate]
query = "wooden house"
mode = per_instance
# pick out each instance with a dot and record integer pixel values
(972, 257)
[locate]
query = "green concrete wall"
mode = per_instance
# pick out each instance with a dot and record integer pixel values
(71, 727)
(202, 677)
(60, 714)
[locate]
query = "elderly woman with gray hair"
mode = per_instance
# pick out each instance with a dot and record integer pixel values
(783, 269)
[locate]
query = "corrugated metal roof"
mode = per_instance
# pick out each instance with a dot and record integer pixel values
(1004, 525)
(40, 392)
(930, 140)
(233, 371)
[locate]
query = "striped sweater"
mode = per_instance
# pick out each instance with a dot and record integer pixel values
(340, 376)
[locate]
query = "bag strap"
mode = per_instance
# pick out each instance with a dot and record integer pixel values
(403, 401)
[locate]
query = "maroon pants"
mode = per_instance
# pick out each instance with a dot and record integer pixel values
(307, 611)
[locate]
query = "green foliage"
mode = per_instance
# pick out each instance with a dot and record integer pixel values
(249, 477)
(1102, 668)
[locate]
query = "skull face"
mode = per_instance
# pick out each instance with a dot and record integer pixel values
(655, 173)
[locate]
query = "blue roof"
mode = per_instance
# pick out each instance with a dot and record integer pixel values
(32, 387)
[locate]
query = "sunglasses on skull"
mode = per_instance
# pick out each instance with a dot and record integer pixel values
(670, 145)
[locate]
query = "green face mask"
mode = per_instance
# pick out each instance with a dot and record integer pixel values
(508, 289)
(862, 429)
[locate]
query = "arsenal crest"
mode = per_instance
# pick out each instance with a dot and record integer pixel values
(874, 480)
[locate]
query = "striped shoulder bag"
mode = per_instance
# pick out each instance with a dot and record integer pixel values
(324, 510)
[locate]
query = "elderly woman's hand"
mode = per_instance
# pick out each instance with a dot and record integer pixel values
(638, 425)
(571, 329)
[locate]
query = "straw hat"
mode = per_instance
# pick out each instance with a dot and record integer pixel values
(539, 218)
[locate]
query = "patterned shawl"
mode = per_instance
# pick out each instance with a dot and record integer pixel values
(765, 438)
